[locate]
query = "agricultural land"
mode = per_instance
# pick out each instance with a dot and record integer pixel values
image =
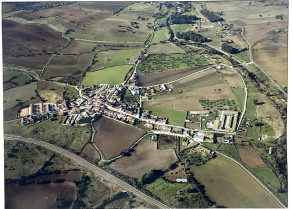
(145, 104)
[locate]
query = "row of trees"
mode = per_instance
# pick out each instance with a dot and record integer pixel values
(183, 19)
(190, 35)
(211, 16)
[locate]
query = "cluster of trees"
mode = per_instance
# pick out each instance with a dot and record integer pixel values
(279, 17)
(35, 6)
(183, 19)
(211, 16)
(231, 48)
(190, 35)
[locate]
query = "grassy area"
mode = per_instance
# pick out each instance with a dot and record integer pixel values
(111, 75)
(70, 93)
(162, 34)
(229, 185)
(112, 58)
(16, 77)
(175, 117)
(240, 96)
(181, 28)
(229, 150)
(242, 56)
(162, 62)
(72, 138)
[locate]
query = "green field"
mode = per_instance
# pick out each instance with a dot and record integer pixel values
(72, 138)
(162, 34)
(240, 96)
(229, 150)
(175, 117)
(16, 77)
(111, 75)
(70, 93)
(229, 185)
(112, 58)
(181, 28)
(242, 56)
(176, 194)
(162, 62)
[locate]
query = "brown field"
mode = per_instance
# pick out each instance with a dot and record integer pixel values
(113, 137)
(164, 48)
(68, 65)
(38, 195)
(79, 47)
(234, 80)
(258, 19)
(266, 109)
(48, 85)
(145, 158)
(237, 39)
(29, 45)
(272, 56)
(10, 113)
(105, 5)
(51, 95)
(249, 157)
(167, 76)
(278, 126)
(177, 173)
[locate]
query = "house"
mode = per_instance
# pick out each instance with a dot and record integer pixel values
(199, 137)
(75, 110)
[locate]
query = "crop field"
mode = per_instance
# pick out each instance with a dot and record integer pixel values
(113, 137)
(253, 17)
(48, 85)
(68, 65)
(16, 77)
(144, 158)
(271, 55)
(240, 95)
(142, 8)
(161, 34)
(68, 137)
(165, 48)
(234, 80)
(111, 75)
(112, 6)
(175, 117)
(250, 158)
(162, 62)
(112, 58)
(31, 45)
(167, 76)
(79, 47)
(232, 189)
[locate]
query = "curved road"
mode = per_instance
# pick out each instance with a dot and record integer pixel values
(96, 170)
(258, 181)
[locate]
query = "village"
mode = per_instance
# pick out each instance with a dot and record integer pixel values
(104, 99)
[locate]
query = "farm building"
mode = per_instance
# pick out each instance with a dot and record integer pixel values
(198, 137)
(202, 113)
(226, 121)
(181, 180)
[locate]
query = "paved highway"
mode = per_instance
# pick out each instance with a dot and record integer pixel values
(90, 166)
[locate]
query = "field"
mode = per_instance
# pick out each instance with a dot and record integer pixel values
(51, 95)
(271, 55)
(181, 28)
(31, 45)
(113, 137)
(177, 173)
(167, 141)
(240, 95)
(113, 58)
(79, 47)
(111, 6)
(232, 189)
(68, 65)
(68, 137)
(16, 77)
(111, 75)
(161, 34)
(229, 150)
(162, 62)
(175, 117)
(165, 48)
(145, 158)
(234, 80)
(249, 157)
(167, 76)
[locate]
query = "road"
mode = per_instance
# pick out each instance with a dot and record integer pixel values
(96, 170)
(258, 181)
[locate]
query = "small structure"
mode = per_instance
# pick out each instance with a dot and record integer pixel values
(270, 150)
(181, 180)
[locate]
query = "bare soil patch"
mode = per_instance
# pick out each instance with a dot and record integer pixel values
(237, 39)
(234, 80)
(29, 44)
(113, 137)
(277, 124)
(265, 108)
(272, 56)
(249, 157)
(167, 76)
(165, 48)
(48, 85)
(145, 157)
(177, 173)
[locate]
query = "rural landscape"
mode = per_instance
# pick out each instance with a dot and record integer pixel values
(111, 104)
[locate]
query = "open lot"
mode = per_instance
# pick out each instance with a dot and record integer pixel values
(272, 55)
(145, 158)
(29, 45)
(249, 157)
(110, 75)
(234, 80)
(68, 65)
(164, 48)
(167, 76)
(113, 137)
(232, 189)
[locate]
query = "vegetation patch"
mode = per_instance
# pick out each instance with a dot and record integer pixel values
(111, 75)
(161, 35)
(165, 48)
